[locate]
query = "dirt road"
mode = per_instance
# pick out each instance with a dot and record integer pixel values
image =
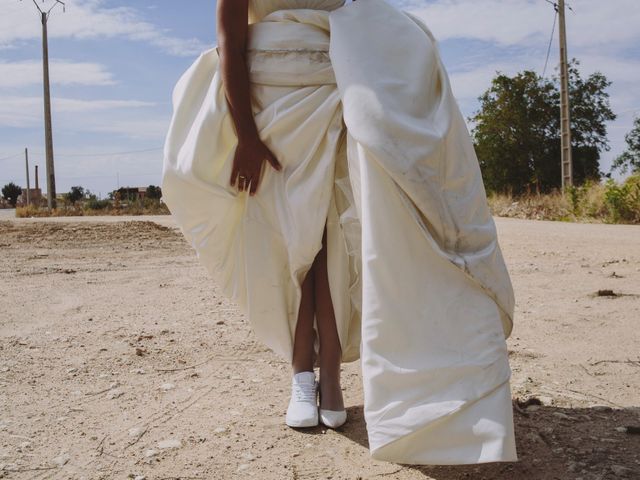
(120, 359)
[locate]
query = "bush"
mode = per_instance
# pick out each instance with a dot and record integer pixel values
(624, 200)
(94, 204)
(28, 211)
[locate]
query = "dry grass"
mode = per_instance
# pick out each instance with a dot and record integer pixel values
(592, 202)
(135, 208)
(607, 202)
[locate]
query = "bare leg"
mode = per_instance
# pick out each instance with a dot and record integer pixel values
(330, 350)
(303, 353)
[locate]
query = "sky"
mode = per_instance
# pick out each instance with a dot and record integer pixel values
(114, 64)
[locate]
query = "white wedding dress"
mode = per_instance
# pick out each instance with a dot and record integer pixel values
(355, 103)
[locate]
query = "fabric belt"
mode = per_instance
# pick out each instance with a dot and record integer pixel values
(290, 48)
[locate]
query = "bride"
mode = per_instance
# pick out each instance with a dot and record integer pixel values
(320, 167)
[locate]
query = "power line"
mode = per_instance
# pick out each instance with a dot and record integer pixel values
(10, 157)
(553, 29)
(124, 175)
(55, 4)
(105, 154)
(631, 110)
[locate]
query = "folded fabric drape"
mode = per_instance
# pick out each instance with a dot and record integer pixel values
(356, 105)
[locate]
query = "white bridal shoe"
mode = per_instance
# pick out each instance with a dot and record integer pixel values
(303, 407)
(332, 418)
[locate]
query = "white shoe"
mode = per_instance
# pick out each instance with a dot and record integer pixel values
(332, 418)
(303, 406)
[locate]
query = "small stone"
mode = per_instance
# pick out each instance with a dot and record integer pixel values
(220, 430)
(620, 471)
(242, 466)
(150, 453)
(139, 477)
(170, 443)
(136, 431)
(113, 394)
(534, 437)
(61, 459)
(564, 416)
(601, 408)
(167, 386)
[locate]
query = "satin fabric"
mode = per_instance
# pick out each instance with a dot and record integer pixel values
(258, 9)
(373, 144)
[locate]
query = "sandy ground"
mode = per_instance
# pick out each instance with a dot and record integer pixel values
(120, 359)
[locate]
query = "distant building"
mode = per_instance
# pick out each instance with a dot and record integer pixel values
(35, 197)
(132, 193)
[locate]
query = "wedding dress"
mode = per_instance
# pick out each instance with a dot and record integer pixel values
(355, 103)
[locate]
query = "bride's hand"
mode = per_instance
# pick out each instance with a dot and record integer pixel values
(247, 164)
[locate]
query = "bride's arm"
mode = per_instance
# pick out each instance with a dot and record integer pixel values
(232, 26)
(232, 44)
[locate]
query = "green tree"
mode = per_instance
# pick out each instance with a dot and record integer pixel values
(154, 192)
(590, 110)
(75, 194)
(517, 130)
(512, 127)
(630, 158)
(11, 192)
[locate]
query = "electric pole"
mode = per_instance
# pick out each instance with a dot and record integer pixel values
(565, 121)
(48, 133)
(26, 159)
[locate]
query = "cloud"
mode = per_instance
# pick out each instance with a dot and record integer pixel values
(512, 35)
(22, 112)
(522, 22)
(63, 72)
(92, 19)
(138, 129)
(471, 83)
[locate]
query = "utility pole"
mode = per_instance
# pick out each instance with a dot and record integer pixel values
(48, 134)
(565, 121)
(26, 159)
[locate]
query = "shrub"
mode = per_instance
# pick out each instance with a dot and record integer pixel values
(624, 200)
(94, 204)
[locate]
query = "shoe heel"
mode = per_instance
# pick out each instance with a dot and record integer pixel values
(330, 418)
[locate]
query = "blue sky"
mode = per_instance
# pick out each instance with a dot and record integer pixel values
(114, 64)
